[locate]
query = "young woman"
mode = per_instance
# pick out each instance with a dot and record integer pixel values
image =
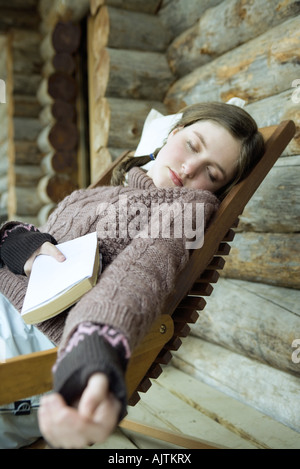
(211, 148)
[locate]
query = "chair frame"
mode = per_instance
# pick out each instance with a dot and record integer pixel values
(31, 374)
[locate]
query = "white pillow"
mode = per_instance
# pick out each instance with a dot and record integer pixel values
(155, 131)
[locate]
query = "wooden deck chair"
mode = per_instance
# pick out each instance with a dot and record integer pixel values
(28, 375)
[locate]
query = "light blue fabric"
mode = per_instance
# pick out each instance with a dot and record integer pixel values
(18, 338)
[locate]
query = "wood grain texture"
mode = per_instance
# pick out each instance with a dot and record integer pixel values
(245, 71)
(224, 28)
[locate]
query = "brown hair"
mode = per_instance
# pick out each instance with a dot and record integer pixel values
(233, 118)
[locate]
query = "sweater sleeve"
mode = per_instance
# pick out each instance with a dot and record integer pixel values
(131, 292)
(18, 241)
(92, 348)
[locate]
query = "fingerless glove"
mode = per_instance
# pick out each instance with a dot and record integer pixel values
(18, 241)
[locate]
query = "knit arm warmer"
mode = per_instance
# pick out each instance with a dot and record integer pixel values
(92, 349)
(18, 241)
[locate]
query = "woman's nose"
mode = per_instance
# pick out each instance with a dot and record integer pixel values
(190, 167)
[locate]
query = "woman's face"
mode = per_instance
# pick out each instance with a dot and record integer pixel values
(201, 156)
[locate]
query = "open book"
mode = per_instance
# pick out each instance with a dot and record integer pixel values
(54, 286)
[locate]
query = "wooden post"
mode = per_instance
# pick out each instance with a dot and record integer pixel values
(121, 29)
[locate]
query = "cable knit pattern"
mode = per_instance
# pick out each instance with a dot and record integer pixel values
(138, 273)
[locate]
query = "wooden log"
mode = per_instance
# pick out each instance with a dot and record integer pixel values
(64, 62)
(100, 162)
(275, 205)
(43, 140)
(26, 106)
(224, 28)
(28, 20)
(151, 6)
(70, 10)
(271, 258)
(63, 136)
(17, 4)
(27, 203)
(3, 184)
(60, 137)
(47, 51)
(245, 379)
(119, 122)
(26, 128)
(179, 15)
(45, 116)
(58, 10)
(60, 162)
(127, 117)
(62, 86)
(116, 152)
(27, 153)
(277, 108)
(25, 84)
(42, 93)
(27, 175)
(121, 29)
(66, 37)
(3, 158)
(245, 71)
(54, 188)
(58, 111)
(25, 48)
(45, 212)
(131, 74)
(63, 111)
(265, 329)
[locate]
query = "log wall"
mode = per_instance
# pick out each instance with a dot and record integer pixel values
(242, 343)
(62, 136)
(128, 75)
(19, 154)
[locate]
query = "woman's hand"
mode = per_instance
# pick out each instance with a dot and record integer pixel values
(92, 420)
(47, 248)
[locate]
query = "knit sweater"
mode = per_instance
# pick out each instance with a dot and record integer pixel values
(139, 270)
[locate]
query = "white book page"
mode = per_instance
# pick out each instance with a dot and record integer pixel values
(50, 278)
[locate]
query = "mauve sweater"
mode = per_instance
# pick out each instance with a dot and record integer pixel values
(138, 272)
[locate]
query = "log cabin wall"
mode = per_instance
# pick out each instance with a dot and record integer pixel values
(128, 75)
(62, 136)
(20, 58)
(245, 341)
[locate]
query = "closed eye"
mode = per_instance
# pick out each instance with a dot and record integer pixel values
(211, 176)
(192, 146)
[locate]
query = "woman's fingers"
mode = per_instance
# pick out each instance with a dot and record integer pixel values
(94, 394)
(60, 424)
(46, 248)
(66, 427)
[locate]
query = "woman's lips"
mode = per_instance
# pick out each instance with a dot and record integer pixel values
(175, 178)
